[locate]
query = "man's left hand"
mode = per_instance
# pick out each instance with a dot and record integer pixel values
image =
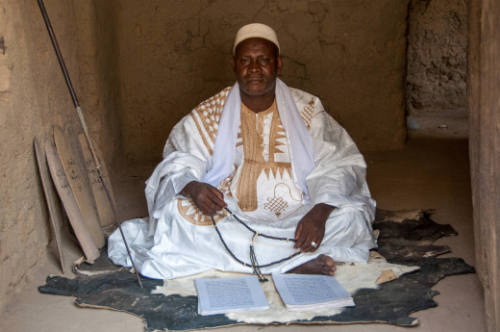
(311, 228)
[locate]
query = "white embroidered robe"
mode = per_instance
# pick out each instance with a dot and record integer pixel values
(179, 240)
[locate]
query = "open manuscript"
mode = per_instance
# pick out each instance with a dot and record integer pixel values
(220, 295)
(304, 292)
(301, 292)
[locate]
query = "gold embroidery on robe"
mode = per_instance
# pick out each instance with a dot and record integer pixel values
(307, 113)
(277, 204)
(206, 116)
(190, 212)
(225, 186)
(252, 127)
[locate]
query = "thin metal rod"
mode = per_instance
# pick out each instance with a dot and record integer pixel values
(58, 53)
(85, 128)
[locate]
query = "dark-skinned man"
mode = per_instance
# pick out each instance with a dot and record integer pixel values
(272, 156)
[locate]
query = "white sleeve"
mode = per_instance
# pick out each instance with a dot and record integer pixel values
(339, 176)
(185, 159)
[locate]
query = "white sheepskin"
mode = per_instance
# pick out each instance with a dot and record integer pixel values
(352, 276)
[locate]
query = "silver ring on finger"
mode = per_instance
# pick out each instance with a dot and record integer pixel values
(314, 244)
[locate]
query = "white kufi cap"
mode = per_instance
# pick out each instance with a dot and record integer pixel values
(256, 30)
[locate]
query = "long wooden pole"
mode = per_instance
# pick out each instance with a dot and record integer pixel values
(79, 111)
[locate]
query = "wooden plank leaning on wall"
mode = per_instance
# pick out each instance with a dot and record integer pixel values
(484, 144)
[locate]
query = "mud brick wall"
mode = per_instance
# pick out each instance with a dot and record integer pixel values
(437, 57)
(349, 53)
(33, 98)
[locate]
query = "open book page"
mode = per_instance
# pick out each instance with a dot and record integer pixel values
(311, 291)
(220, 295)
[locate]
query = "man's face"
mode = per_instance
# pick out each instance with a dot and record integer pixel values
(256, 65)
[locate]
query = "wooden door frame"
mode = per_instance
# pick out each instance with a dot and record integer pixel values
(484, 145)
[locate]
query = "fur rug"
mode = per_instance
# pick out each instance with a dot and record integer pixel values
(396, 282)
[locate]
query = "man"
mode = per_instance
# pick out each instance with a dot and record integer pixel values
(272, 156)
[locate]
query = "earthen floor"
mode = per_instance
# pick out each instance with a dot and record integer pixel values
(425, 174)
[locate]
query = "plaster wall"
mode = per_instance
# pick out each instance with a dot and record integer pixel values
(437, 58)
(33, 97)
(174, 54)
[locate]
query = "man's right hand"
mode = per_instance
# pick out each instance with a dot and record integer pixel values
(207, 198)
